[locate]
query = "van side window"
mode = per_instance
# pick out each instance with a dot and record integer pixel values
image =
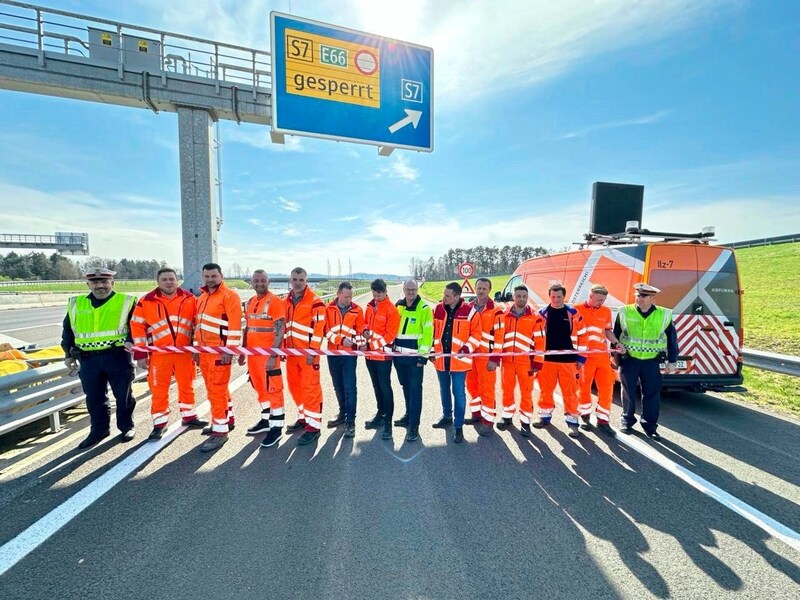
(507, 294)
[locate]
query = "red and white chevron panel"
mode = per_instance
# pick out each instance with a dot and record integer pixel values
(713, 347)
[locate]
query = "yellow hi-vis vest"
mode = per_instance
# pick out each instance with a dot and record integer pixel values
(644, 338)
(100, 328)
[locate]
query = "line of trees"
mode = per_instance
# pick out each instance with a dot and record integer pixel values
(487, 260)
(38, 266)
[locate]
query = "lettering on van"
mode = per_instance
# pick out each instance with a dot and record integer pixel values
(723, 290)
(664, 264)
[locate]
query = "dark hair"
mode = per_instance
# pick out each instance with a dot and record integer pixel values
(166, 270)
(557, 287)
(298, 270)
(454, 287)
(379, 285)
(345, 285)
(521, 288)
(484, 280)
(211, 267)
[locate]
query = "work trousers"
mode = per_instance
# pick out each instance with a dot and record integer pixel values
(513, 374)
(453, 381)
(217, 377)
(647, 373)
(481, 384)
(380, 373)
(160, 370)
(343, 375)
(598, 369)
(410, 376)
(565, 375)
(97, 372)
(269, 388)
(304, 385)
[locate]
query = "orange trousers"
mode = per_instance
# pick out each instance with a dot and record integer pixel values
(160, 369)
(305, 389)
(598, 369)
(269, 387)
(481, 388)
(514, 373)
(566, 376)
(217, 377)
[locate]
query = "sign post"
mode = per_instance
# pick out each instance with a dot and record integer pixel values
(339, 84)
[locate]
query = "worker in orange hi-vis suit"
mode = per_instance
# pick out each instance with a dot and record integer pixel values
(218, 323)
(564, 331)
(265, 323)
(482, 377)
(381, 324)
(165, 317)
(522, 325)
(305, 327)
(599, 332)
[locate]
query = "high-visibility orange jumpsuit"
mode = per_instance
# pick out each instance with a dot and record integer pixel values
(598, 366)
(218, 323)
(520, 335)
(382, 320)
(262, 315)
(305, 326)
(563, 374)
(162, 321)
(481, 381)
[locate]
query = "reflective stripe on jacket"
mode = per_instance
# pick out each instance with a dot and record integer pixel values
(382, 320)
(103, 327)
(492, 327)
(161, 321)
(577, 330)
(415, 332)
(597, 321)
(260, 316)
(466, 334)
(219, 318)
(523, 333)
(305, 321)
(644, 338)
(339, 328)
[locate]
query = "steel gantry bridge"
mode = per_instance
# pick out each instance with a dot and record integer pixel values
(74, 243)
(69, 55)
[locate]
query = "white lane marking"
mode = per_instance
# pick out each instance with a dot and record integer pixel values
(31, 327)
(756, 517)
(26, 542)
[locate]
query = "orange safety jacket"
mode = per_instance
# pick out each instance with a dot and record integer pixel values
(577, 330)
(305, 321)
(523, 334)
(338, 327)
(466, 334)
(492, 328)
(382, 319)
(219, 318)
(161, 321)
(596, 321)
(260, 316)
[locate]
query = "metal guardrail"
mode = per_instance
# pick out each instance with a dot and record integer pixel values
(39, 393)
(769, 361)
(778, 239)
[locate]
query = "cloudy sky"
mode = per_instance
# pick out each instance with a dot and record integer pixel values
(534, 100)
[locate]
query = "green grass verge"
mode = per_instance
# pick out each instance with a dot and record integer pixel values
(771, 390)
(434, 290)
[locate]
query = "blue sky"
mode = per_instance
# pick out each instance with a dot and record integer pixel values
(534, 101)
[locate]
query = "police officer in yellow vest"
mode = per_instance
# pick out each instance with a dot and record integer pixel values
(647, 336)
(96, 328)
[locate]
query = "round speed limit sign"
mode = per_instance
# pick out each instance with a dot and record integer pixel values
(466, 270)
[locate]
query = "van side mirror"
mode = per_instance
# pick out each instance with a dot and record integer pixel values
(498, 296)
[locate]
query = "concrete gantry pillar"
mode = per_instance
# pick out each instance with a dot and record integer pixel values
(198, 210)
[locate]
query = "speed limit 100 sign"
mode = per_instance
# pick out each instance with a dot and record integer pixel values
(466, 270)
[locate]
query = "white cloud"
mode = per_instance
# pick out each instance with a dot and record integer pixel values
(645, 120)
(399, 168)
(287, 205)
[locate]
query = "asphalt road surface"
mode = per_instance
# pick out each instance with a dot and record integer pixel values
(497, 517)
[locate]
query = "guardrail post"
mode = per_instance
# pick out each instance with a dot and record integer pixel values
(55, 422)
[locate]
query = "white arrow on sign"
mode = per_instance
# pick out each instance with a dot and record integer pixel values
(412, 118)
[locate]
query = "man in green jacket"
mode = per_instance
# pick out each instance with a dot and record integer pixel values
(95, 330)
(414, 338)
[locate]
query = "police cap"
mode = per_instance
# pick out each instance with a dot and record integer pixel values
(645, 289)
(98, 273)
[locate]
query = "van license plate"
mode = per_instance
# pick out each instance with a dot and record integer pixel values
(680, 365)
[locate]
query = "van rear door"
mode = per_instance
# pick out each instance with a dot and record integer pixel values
(700, 283)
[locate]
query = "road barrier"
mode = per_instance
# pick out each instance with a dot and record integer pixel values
(769, 361)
